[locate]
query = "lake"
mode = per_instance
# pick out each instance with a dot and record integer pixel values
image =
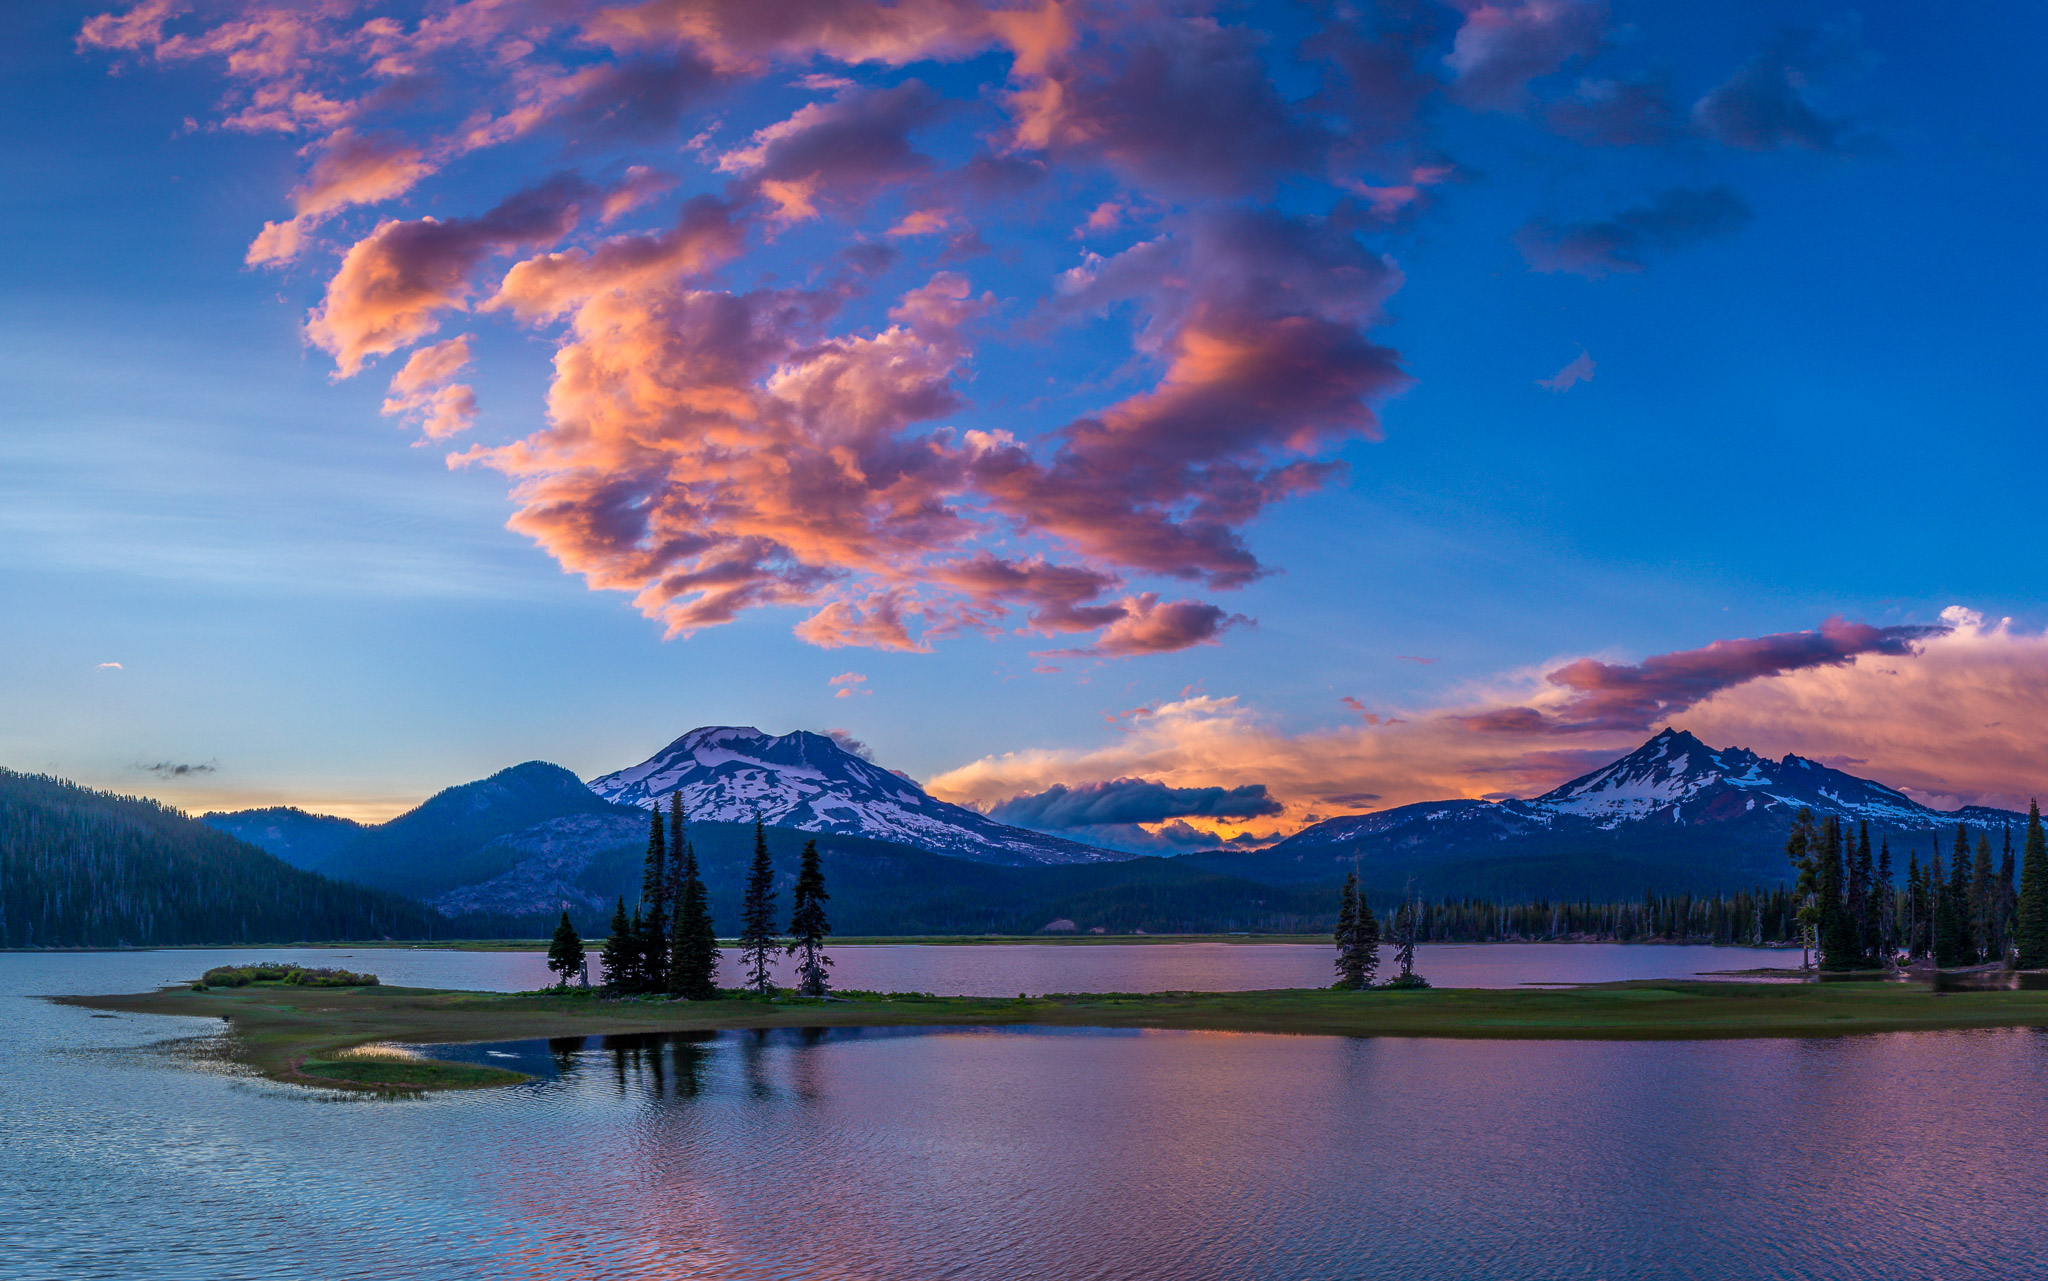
(1025, 1153)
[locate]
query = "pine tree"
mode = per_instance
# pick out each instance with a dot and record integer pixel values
(757, 919)
(2032, 932)
(1916, 907)
(1945, 929)
(1861, 899)
(1802, 852)
(808, 926)
(1837, 929)
(693, 944)
(2008, 899)
(616, 959)
(653, 931)
(1368, 941)
(1984, 903)
(1407, 923)
(1346, 934)
(1887, 906)
(1959, 897)
(565, 951)
(696, 936)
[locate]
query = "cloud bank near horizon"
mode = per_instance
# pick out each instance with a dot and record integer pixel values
(721, 439)
(1953, 715)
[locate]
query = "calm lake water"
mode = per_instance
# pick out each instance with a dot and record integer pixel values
(1024, 1154)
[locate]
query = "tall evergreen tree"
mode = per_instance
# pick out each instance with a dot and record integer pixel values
(618, 971)
(1407, 922)
(653, 932)
(1838, 944)
(1959, 897)
(1368, 941)
(1887, 905)
(2008, 898)
(1349, 972)
(1861, 898)
(1916, 911)
(565, 951)
(1984, 903)
(2032, 932)
(1802, 852)
(757, 918)
(808, 926)
(693, 942)
(1946, 928)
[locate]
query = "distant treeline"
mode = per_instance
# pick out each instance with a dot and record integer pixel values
(82, 868)
(1754, 918)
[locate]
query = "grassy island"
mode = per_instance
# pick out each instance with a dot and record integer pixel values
(329, 1036)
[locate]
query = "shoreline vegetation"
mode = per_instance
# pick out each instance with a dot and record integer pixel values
(350, 1038)
(893, 940)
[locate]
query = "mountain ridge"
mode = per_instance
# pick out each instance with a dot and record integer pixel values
(1673, 811)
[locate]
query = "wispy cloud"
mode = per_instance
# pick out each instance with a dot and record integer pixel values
(847, 684)
(1626, 240)
(179, 769)
(1580, 370)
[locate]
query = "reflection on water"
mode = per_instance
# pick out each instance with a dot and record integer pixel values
(1022, 1153)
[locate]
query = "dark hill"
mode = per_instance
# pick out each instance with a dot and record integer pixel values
(80, 868)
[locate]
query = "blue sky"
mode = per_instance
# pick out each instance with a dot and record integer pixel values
(1830, 410)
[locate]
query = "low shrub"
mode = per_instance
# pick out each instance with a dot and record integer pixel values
(277, 972)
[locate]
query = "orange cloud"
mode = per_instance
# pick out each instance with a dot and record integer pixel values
(706, 236)
(393, 283)
(351, 170)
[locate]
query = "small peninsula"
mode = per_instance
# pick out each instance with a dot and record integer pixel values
(333, 1037)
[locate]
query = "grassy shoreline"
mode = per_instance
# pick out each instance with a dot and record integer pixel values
(313, 1036)
(878, 940)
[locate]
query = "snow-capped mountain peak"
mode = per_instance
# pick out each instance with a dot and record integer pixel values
(734, 773)
(1677, 778)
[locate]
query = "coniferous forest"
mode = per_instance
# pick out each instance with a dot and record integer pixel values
(82, 868)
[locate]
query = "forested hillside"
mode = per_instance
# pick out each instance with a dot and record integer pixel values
(80, 868)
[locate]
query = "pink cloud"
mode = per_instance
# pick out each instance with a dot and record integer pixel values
(707, 234)
(1175, 103)
(838, 152)
(425, 394)
(1148, 625)
(712, 447)
(1639, 696)
(351, 170)
(848, 684)
(392, 284)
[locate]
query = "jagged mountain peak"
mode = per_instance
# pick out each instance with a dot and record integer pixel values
(1678, 778)
(736, 773)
